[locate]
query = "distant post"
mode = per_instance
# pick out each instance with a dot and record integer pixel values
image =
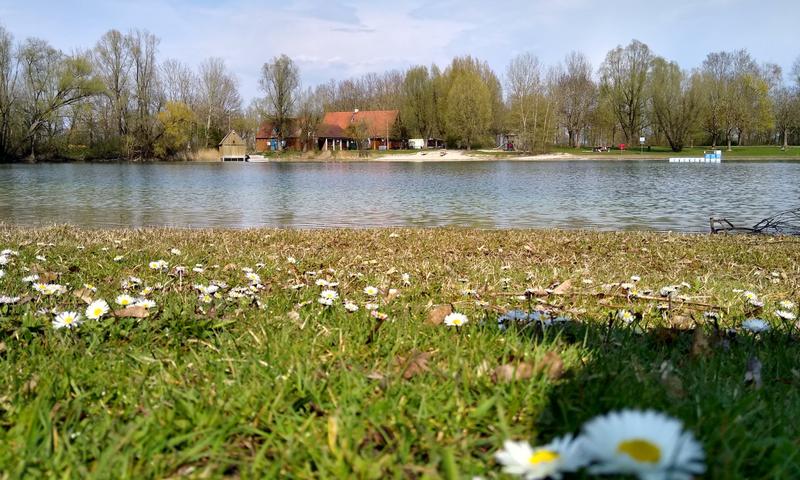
(641, 145)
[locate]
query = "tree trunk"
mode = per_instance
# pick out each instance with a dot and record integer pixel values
(785, 139)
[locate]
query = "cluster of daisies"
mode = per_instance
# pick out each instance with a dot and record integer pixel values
(645, 444)
(329, 296)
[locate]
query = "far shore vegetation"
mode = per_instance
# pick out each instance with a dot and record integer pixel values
(387, 353)
(119, 99)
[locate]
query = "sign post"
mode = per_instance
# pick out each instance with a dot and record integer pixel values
(641, 145)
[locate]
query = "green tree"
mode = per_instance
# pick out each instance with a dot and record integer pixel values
(176, 122)
(469, 108)
(418, 106)
(675, 101)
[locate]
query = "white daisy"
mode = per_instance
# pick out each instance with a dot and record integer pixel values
(668, 291)
(785, 315)
(321, 282)
(325, 301)
(198, 270)
(635, 278)
(119, 258)
(41, 258)
(647, 444)
(351, 307)
(175, 251)
(4, 260)
(371, 291)
(548, 461)
(329, 295)
(455, 320)
(291, 260)
(124, 300)
(371, 306)
(89, 286)
(67, 320)
(406, 278)
(96, 310)
(143, 302)
(158, 265)
(30, 278)
(2, 273)
(253, 277)
(205, 298)
(625, 316)
(787, 305)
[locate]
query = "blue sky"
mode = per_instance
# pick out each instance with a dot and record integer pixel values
(338, 39)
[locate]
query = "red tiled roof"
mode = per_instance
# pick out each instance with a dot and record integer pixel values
(334, 124)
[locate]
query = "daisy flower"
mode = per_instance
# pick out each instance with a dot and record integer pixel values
(253, 277)
(146, 291)
(647, 444)
(406, 278)
(118, 258)
(785, 315)
(2, 273)
(755, 325)
(787, 305)
(158, 265)
(351, 307)
(30, 278)
(548, 461)
(143, 302)
(371, 291)
(41, 258)
(378, 315)
(175, 251)
(96, 310)
(455, 320)
(752, 298)
(668, 291)
(67, 320)
(321, 282)
(124, 300)
(6, 300)
(635, 278)
(371, 306)
(198, 269)
(329, 295)
(89, 286)
(205, 298)
(625, 316)
(325, 301)
(291, 260)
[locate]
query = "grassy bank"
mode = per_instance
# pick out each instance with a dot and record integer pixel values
(268, 382)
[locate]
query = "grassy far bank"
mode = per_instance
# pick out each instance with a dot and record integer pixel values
(755, 152)
(267, 382)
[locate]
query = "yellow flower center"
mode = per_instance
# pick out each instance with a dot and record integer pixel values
(543, 456)
(640, 450)
(68, 319)
(97, 311)
(457, 322)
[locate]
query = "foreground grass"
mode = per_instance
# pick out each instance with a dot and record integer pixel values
(279, 386)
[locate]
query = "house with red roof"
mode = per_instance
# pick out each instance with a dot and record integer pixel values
(267, 138)
(377, 129)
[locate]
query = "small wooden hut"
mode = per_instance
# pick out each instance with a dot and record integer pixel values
(232, 148)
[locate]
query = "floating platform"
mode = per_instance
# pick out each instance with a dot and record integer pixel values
(714, 156)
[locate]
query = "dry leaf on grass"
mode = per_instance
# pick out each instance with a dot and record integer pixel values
(563, 288)
(132, 312)
(415, 363)
(84, 294)
(436, 316)
(551, 365)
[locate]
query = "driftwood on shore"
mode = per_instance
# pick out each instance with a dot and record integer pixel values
(783, 223)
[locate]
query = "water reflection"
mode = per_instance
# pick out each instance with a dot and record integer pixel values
(605, 195)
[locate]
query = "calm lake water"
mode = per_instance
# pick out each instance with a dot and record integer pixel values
(652, 195)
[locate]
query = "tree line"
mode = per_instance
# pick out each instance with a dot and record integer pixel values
(117, 99)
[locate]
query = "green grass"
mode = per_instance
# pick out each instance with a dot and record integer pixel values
(277, 386)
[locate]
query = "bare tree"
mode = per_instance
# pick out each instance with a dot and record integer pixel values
(524, 86)
(180, 82)
(623, 79)
(218, 99)
(578, 94)
(147, 95)
(310, 111)
(280, 81)
(8, 82)
(112, 60)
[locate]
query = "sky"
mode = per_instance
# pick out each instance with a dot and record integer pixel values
(337, 39)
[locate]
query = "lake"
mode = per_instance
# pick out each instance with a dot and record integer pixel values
(608, 195)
